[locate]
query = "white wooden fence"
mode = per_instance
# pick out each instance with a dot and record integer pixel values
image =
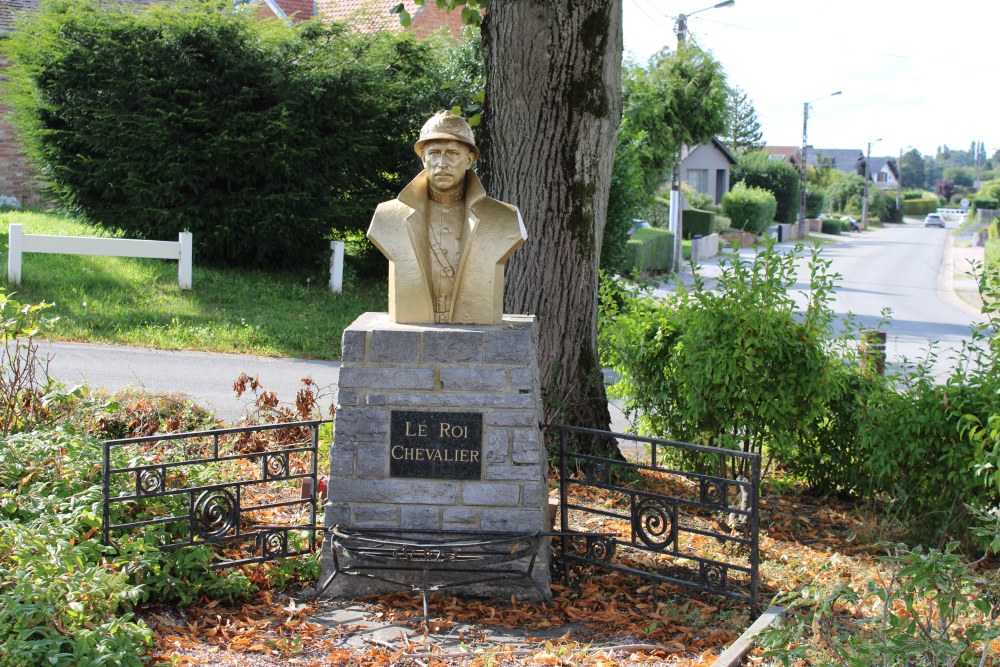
(20, 243)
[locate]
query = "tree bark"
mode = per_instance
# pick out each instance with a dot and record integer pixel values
(550, 119)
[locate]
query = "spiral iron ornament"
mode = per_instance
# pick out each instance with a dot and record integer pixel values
(713, 575)
(714, 493)
(150, 481)
(272, 543)
(215, 513)
(600, 548)
(275, 465)
(654, 522)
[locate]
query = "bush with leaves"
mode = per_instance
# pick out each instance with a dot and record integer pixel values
(740, 366)
(750, 208)
(257, 137)
(929, 608)
(779, 178)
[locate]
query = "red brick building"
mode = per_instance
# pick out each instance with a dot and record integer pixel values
(375, 15)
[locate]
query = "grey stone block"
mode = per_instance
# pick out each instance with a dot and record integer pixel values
(420, 518)
(525, 473)
(524, 379)
(527, 446)
(361, 425)
(513, 418)
(472, 379)
(497, 446)
(386, 378)
(535, 495)
(512, 520)
(347, 398)
(368, 514)
(459, 516)
(401, 491)
(375, 399)
(342, 460)
(462, 400)
(352, 345)
(491, 494)
(453, 347)
(510, 346)
(395, 347)
(372, 461)
(338, 514)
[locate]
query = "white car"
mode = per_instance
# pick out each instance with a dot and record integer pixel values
(934, 220)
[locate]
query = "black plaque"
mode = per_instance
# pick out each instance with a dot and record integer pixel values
(442, 445)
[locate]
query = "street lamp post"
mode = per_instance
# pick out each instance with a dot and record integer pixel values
(803, 191)
(680, 29)
(864, 202)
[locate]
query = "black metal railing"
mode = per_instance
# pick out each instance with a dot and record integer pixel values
(241, 487)
(659, 522)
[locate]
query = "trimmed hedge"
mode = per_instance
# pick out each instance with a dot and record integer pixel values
(651, 250)
(750, 208)
(695, 222)
(833, 226)
(985, 203)
(259, 138)
(779, 178)
(921, 206)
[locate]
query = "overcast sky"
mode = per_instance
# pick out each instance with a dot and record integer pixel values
(912, 73)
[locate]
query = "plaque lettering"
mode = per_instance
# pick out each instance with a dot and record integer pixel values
(442, 445)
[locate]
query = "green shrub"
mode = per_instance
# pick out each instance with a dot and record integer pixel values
(930, 609)
(987, 203)
(832, 227)
(919, 207)
(815, 201)
(259, 138)
(651, 250)
(740, 366)
(913, 194)
(751, 209)
(777, 177)
(696, 223)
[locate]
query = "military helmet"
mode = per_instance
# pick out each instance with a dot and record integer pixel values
(448, 126)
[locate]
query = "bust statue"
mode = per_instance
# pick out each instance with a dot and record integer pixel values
(446, 241)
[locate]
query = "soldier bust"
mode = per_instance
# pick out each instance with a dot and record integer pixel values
(446, 241)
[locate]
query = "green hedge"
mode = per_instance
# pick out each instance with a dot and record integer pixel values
(832, 226)
(259, 138)
(987, 203)
(695, 222)
(750, 208)
(651, 250)
(921, 206)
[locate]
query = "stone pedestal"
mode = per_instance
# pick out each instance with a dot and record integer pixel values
(472, 386)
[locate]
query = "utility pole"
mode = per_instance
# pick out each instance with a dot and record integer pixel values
(803, 184)
(864, 202)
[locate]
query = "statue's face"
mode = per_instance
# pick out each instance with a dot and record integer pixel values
(446, 162)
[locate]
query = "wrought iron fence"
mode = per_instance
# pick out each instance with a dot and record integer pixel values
(240, 487)
(658, 519)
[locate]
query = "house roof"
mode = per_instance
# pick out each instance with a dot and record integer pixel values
(9, 9)
(376, 15)
(294, 10)
(847, 160)
(877, 164)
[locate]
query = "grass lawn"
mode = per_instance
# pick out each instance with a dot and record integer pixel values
(137, 301)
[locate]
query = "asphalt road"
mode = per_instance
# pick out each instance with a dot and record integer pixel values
(904, 267)
(206, 376)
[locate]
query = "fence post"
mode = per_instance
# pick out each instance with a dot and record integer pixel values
(15, 242)
(185, 261)
(873, 351)
(337, 267)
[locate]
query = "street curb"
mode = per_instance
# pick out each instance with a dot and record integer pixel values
(739, 648)
(946, 281)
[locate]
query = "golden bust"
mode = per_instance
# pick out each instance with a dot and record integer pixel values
(446, 241)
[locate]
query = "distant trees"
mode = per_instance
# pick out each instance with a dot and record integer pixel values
(743, 134)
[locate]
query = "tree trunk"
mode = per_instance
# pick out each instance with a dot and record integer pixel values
(550, 118)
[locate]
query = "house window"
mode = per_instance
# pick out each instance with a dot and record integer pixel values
(698, 179)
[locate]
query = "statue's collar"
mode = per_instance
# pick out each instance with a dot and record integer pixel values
(415, 193)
